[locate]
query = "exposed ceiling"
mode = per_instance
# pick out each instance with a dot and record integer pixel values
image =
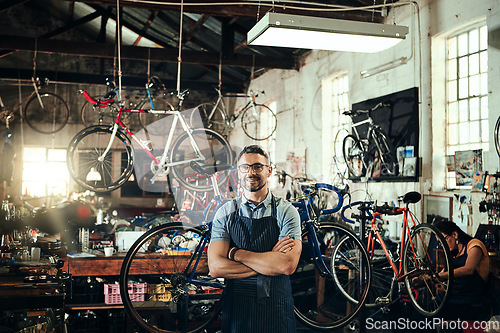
(213, 39)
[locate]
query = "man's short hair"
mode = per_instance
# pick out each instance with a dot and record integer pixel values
(253, 149)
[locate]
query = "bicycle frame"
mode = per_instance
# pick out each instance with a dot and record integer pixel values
(218, 201)
(163, 160)
(305, 207)
(405, 236)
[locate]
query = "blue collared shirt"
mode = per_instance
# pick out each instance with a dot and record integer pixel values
(286, 214)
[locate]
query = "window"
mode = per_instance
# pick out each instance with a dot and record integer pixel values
(335, 91)
(44, 172)
(466, 93)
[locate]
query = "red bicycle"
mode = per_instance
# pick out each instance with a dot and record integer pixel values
(410, 270)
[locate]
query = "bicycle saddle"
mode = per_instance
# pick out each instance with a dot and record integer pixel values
(208, 169)
(412, 197)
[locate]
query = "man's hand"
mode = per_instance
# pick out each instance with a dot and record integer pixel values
(284, 245)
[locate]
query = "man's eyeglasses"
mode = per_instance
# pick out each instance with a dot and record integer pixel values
(257, 167)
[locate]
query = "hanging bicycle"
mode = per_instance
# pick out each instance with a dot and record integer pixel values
(44, 112)
(152, 97)
(100, 158)
(257, 120)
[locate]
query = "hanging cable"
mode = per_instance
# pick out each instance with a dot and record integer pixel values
(220, 71)
(149, 63)
(118, 45)
(253, 67)
(20, 110)
(34, 56)
(179, 58)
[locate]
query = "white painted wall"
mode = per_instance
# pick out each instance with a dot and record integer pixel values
(298, 93)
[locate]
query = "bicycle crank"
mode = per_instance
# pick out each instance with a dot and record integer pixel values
(158, 170)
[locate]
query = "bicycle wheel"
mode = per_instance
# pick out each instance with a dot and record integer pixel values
(386, 152)
(424, 257)
(92, 115)
(353, 152)
(47, 114)
(497, 136)
(382, 275)
(214, 150)
(180, 297)
(147, 119)
(213, 118)
(319, 301)
(91, 171)
(259, 122)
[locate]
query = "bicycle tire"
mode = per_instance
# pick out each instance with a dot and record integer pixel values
(327, 309)
(353, 152)
(427, 292)
(50, 118)
(386, 152)
(181, 304)
(202, 116)
(497, 136)
(147, 119)
(252, 122)
(92, 115)
(215, 151)
(382, 277)
(84, 150)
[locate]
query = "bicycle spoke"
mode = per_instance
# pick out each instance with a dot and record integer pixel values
(329, 297)
(96, 174)
(425, 255)
(174, 302)
(354, 156)
(214, 151)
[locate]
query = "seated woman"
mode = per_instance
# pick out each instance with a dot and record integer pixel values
(468, 299)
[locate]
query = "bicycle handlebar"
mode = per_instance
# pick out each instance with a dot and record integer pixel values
(97, 102)
(310, 190)
(354, 113)
(366, 207)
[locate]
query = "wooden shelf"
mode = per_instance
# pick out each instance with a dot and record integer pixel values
(111, 266)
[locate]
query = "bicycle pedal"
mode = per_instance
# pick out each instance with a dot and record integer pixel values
(382, 300)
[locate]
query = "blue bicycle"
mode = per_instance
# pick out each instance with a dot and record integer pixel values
(319, 298)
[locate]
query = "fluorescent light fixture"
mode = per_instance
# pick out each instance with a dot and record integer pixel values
(305, 32)
(384, 67)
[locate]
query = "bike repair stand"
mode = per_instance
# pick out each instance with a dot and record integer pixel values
(362, 218)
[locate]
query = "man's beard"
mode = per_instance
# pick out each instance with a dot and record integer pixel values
(253, 189)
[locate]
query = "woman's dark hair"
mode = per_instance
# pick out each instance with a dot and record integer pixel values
(253, 149)
(447, 228)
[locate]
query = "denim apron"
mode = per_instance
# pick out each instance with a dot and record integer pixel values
(261, 303)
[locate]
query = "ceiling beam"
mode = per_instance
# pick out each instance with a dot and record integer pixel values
(61, 30)
(15, 74)
(10, 3)
(101, 50)
(250, 10)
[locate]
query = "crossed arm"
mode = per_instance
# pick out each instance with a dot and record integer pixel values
(282, 259)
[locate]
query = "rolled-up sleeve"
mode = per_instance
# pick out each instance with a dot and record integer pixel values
(291, 222)
(220, 231)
